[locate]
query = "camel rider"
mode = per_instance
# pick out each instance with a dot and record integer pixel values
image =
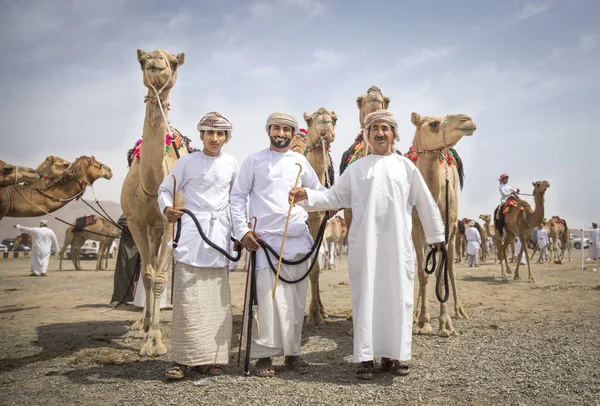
(202, 321)
(264, 180)
(43, 239)
(505, 189)
(381, 189)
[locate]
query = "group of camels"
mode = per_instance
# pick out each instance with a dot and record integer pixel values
(26, 192)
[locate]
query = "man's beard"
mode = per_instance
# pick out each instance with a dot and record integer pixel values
(280, 144)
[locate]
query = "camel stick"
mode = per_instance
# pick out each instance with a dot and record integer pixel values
(245, 297)
(287, 222)
(173, 239)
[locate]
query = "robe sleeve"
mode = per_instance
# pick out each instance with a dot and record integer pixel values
(339, 196)
(429, 212)
(165, 190)
(310, 178)
(25, 229)
(239, 199)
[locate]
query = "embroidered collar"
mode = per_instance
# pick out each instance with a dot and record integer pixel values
(156, 101)
(443, 155)
(316, 147)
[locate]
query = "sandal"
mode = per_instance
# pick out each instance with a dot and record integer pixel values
(176, 372)
(365, 370)
(394, 367)
(212, 370)
(264, 368)
(296, 364)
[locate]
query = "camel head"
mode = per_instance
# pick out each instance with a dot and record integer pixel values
(372, 101)
(430, 130)
(540, 187)
(53, 167)
(87, 169)
(321, 126)
(160, 68)
(11, 174)
(486, 218)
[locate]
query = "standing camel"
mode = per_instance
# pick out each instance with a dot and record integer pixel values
(320, 134)
(519, 222)
(483, 252)
(432, 135)
(149, 229)
(76, 239)
(11, 174)
(24, 201)
(558, 231)
(461, 241)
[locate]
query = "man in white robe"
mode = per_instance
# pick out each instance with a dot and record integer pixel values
(43, 239)
(265, 179)
(542, 243)
(381, 189)
(473, 243)
(518, 250)
(202, 321)
(594, 242)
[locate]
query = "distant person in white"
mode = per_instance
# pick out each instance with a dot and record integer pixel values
(43, 239)
(594, 242)
(518, 249)
(542, 243)
(264, 180)
(202, 321)
(381, 189)
(473, 243)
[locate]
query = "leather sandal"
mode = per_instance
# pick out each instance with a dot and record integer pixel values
(394, 366)
(264, 368)
(212, 370)
(296, 364)
(176, 372)
(366, 370)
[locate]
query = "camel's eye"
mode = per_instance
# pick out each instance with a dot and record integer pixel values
(434, 125)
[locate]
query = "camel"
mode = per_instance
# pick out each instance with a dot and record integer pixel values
(483, 252)
(23, 201)
(11, 174)
(367, 103)
(21, 239)
(320, 134)
(432, 135)
(559, 231)
(519, 222)
(50, 170)
(149, 229)
(77, 239)
(461, 241)
(334, 237)
(490, 230)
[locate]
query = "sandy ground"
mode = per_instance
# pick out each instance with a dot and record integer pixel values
(523, 343)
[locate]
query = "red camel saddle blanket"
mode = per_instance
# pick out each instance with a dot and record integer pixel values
(83, 222)
(511, 202)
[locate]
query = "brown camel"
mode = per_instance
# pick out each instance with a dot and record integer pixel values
(367, 103)
(432, 135)
(461, 241)
(23, 201)
(490, 230)
(334, 237)
(320, 134)
(483, 252)
(11, 174)
(50, 170)
(519, 222)
(140, 190)
(559, 231)
(21, 239)
(101, 226)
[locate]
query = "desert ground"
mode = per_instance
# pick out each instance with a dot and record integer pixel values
(523, 344)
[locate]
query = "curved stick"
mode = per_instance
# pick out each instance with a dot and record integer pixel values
(245, 297)
(287, 222)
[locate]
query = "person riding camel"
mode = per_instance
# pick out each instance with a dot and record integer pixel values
(506, 192)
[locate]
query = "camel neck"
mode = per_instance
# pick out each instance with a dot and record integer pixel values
(535, 219)
(319, 164)
(28, 202)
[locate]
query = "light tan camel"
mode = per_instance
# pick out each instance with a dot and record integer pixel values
(320, 134)
(367, 103)
(461, 241)
(140, 190)
(11, 174)
(334, 238)
(519, 222)
(102, 226)
(558, 231)
(483, 252)
(431, 136)
(50, 170)
(23, 201)
(21, 239)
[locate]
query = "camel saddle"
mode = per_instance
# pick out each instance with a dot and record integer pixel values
(557, 219)
(83, 222)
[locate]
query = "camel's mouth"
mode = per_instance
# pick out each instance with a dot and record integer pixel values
(155, 71)
(468, 129)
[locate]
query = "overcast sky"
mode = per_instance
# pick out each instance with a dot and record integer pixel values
(526, 71)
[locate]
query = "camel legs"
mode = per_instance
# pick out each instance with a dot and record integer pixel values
(421, 316)
(502, 253)
(316, 311)
(63, 250)
(459, 312)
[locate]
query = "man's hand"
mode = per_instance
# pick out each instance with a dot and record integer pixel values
(249, 241)
(297, 194)
(172, 214)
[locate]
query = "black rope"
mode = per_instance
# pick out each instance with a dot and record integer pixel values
(431, 257)
(107, 217)
(252, 301)
(204, 237)
(268, 249)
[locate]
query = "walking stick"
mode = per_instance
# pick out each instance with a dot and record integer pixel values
(173, 239)
(287, 222)
(245, 297)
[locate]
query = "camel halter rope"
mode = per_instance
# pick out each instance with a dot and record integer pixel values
(443, 271)
(254, 307)
(327, 179)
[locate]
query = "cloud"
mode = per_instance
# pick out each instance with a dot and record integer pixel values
(262, 72)
(530, 10)
(423, 56)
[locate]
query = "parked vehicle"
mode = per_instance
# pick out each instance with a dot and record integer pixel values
(576, 242)
(3, 248)
(23, 248)
(8, 242)
(90, 249)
